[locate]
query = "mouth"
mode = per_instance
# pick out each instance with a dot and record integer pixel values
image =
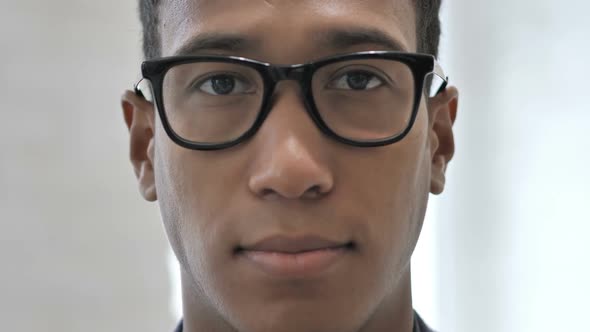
(294, 257)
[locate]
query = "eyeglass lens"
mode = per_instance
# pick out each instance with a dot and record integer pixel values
(217, 102)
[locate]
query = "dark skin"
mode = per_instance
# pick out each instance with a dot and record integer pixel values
(291, 179)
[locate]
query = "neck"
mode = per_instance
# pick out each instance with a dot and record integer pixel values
(198, 314)
(395, 313)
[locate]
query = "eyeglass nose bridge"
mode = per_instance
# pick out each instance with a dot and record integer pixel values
(298, 73)
(294, 72)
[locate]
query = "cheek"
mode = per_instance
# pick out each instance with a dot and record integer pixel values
(396, 186)
(188, 197)
(172, 195)
(196, 191)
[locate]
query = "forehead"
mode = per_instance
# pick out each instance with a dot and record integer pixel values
(286, 30)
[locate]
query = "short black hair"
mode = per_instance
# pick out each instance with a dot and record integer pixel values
(427, 26)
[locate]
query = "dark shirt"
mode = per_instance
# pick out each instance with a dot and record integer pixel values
(419, 325)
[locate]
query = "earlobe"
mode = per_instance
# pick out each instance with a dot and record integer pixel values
(139, 118)
(442, 111)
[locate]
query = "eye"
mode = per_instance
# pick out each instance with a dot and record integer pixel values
(223, 84)
(356, 80)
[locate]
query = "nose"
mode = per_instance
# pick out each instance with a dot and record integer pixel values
(291, 158)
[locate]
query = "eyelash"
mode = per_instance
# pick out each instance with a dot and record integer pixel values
(372, 76)
(200, 82)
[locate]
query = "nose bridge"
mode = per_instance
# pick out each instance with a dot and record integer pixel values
(289, 162)
(289, 110)
(289, 96)
(289, 114)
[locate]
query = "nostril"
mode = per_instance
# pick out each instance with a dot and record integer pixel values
(267, 192)
(313, 192)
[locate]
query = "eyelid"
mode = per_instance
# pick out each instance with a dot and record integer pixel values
(379, 74)
(198, 82)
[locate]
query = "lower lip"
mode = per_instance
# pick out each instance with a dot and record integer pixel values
(304, 264)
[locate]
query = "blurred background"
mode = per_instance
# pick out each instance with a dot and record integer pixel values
(505, 248)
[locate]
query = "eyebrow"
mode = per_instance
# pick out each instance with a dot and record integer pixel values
(347, 38)
(217, 41)
(336, 39)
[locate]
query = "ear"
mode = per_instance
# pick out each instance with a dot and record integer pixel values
(139, 117)
(442, 110)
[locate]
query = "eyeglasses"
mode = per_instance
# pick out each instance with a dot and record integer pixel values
(363, 99)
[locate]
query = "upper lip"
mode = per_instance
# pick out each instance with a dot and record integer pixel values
(290, 244)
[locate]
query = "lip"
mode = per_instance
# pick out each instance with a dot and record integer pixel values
(295, 257)
(293, 245)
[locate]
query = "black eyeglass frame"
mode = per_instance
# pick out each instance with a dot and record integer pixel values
(421, 65)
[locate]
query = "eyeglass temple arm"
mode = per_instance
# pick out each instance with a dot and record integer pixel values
(137, 90)
(142, 94)
(438, 71)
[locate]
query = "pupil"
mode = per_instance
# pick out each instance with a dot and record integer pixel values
(358, 81)
(223, 85)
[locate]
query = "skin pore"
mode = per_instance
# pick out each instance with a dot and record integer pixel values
(292, 180)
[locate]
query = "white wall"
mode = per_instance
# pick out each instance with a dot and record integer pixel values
(79, 249)
(514, 223)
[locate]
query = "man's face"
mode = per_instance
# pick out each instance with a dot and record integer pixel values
(290, 180)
